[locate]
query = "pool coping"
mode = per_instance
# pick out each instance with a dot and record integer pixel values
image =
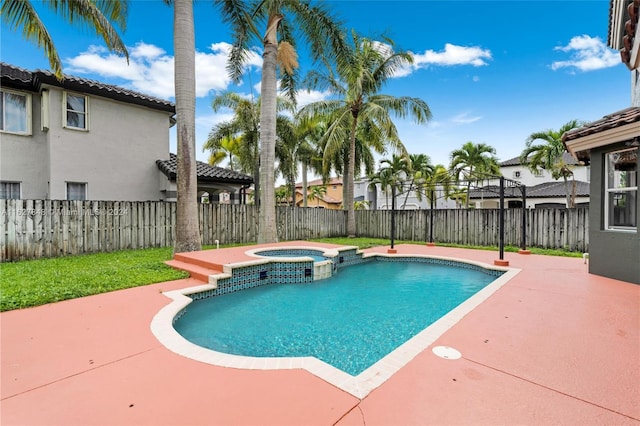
(358, 386)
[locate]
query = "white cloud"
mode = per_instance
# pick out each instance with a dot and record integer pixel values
(464, 118)
(587, 54)
(453, 55)
(304, 97)
(150, 68)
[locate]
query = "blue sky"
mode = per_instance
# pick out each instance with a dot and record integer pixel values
(491, 72)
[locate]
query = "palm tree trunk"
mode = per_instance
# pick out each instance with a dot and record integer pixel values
(304, 184)
(267, 232)
(567, 191)
(351, 170)
(406, 198)
(292, 187)
(187, 228)
(345, 178)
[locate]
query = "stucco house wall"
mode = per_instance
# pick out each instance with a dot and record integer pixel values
(380, 200)
(25, 158)
(612, 253)
(114, 156)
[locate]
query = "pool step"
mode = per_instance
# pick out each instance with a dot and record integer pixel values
(195, 268)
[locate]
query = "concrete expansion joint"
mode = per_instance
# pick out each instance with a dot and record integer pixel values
(91, 362)
(551, 389)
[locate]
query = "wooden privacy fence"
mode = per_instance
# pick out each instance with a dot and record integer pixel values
(31, 229)
(546, 228)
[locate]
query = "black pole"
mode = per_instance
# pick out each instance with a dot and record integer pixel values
(501, 217)
(393, 214)
(431, 220)
(524, 218)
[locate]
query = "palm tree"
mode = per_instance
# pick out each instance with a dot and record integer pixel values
(244, 126)
(187, 227)
(228, 147)
(473, 161)
(361, 73)
(99, 16)
(317, 192)
(544, 150)
(295, 146)
(419, 169)
(361, 205)
(384, 179)
(283, 195)
(395, 172)
(440, 177)
(326, 39)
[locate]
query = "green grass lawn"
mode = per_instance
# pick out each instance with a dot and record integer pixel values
(364, 243)
(36, 282)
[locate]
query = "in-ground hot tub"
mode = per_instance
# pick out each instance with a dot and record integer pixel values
(323, 263)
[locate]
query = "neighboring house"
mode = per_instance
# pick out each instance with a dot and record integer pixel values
(378, 199)
(332, 199)
(217, 184)
(541, 189)
(611, 145)
(80, 139)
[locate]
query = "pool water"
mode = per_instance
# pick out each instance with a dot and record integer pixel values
(316, 255)
(350, 321)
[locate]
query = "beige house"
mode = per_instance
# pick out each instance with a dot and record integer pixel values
(331, 199)
(79, 139)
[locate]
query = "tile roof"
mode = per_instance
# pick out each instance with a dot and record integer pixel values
(543, 190)
(566, 157)
(331, 181)
(629, 42)
(205, 172)
(611, 121)
(15, 73)
(13, 76)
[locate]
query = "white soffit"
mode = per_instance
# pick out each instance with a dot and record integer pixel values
(606, 137)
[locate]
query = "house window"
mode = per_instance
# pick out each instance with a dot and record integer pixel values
(621, 190)
(15, 112)
(10, 190)
(77, 111)
(516, 174)
(76, 191)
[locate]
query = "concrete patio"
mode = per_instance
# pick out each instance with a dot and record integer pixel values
(555, 345)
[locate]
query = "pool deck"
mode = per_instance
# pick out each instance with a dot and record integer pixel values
(554, 345)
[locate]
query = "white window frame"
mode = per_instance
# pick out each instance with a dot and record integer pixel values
(13, 183)
(66, 190)
(608, 191)
(27, 131)
(65, 110)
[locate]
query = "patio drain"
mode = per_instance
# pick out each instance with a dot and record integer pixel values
(446, 352)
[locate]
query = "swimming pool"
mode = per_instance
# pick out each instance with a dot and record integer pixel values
(244, 274)
(350, 321)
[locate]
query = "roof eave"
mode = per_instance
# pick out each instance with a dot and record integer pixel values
(580, 147)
